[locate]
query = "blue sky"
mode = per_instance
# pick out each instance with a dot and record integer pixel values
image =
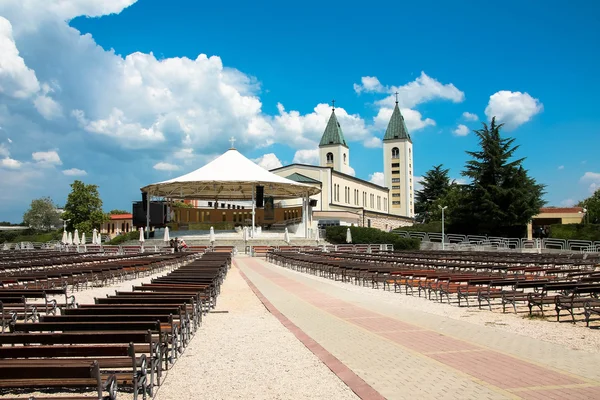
(122, 93)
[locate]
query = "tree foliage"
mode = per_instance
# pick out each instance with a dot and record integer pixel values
(592, 206)
(501, 198)
(84, 207)
(115, 212)
(42, 215)
(436, 183)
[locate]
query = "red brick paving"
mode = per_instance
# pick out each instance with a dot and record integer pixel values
(489, 366)
(353, 381)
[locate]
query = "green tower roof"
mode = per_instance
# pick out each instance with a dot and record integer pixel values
(333, 132)
(396, 128)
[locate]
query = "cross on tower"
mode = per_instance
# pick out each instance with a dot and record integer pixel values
(396, 97)
(232, 140)
(333, 104)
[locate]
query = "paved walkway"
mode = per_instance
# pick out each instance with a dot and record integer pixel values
(401, 354)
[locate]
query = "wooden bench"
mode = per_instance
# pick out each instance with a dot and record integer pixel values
(56, 376)
(590, 308)
(576, 300)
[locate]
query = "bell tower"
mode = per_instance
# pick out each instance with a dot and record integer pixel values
(333, 148)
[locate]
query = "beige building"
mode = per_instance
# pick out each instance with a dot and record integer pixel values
(347, 200)
(118, 223)
(554, 215)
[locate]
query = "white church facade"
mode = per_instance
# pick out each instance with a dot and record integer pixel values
(347, 200)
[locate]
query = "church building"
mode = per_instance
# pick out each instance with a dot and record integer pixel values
(347, 200)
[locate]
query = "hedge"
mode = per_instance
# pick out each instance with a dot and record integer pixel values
(337, 235)
(29, 235)
(119, 239)
(575, 232)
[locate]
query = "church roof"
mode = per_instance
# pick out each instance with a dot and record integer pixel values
(333, 132)
(296, 177)
(396, 128)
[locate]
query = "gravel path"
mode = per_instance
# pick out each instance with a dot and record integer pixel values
(577, 337)
(246, 353)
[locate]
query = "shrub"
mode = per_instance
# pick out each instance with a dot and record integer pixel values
(337, 235)
(575, 232)
(133, 235)
(435, 226)
(29, 235)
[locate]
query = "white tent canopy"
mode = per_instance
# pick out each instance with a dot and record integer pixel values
(229, 177)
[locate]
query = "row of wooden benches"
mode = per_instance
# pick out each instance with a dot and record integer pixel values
(558, 287)
(125, 339)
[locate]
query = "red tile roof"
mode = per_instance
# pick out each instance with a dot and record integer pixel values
(121, 216)
(563, 210)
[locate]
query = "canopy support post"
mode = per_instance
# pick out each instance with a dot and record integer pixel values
(253, 210)
(306, 216)
(148, 216)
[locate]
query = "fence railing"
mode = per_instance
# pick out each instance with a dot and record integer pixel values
(454, 241)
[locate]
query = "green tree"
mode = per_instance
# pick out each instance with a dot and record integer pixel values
(502, 197)
(452, 198)
(84, 207)
(113, 212)
(42, 214)
(592, 205)
(435, 185)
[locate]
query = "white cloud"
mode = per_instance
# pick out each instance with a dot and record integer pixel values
(377, 178)
(373, 142)
(47, 107)
(412, 118)
(184, 154)
(74, 172)
(568, 203)
(461, 130)
(470, 116)
(46, 157)
(8, 162)
(310, 156)
(16, 79)
(369, 84)
(561, 167)
(4, 152)
(351, 171)
(592, 179)
(164, 166)
(421, 90)
(512, 108)
(268, 161)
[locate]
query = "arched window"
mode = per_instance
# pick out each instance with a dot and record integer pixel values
(127, 227)
(395, 153)
(122, 227)
(344, 158)
(329, 158)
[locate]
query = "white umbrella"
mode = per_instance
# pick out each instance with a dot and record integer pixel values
(95, 236)
(317, 238)
(70, 239)
(245, 234)
(76, 238)
(348, 236)
(65, 237)
(212, 235)
(83, 238)
(286, 236)
(142, 240)
(166, 238)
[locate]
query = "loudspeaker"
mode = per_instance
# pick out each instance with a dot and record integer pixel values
(312, 202)
(260, 193)
(145, 201)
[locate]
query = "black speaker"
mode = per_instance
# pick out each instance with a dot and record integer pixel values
(145, 201)
(260, 196)
(312, 202)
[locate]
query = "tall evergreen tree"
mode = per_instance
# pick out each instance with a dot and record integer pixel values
(435, 185)
(502, 197)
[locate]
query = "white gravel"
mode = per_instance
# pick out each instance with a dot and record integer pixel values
(565, 333)
(247, 353)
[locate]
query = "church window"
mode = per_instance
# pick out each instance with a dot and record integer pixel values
(329, 158)
(396, 187)
(395, 180)
(395, 203)
(344, 158)
(395, 152)
(396, 165)
(395, 172)
(395, 194)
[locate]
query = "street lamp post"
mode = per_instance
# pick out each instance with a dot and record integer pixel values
(65, 223)
(443, 238)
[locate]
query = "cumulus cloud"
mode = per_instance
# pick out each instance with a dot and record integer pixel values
(309, 156)
(10, 163)
(351, 171)
(592, 179)
(268, 161)
(422, 89)
(46, 157)
(16, 78)
(74, 172)
(418, 183)
(377, 178)
(512, 108)
(470, 116)
(461, 130)
(373, 142)
(164, 166)
(413, 119)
